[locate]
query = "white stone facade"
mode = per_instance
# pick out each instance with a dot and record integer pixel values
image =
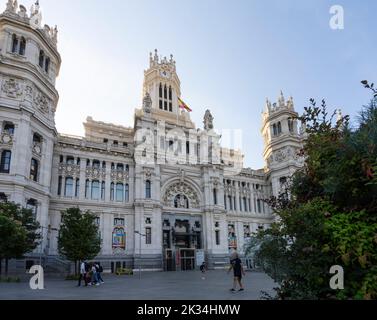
(162, 178)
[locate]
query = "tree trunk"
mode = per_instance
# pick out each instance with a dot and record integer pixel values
(75, 267)
(1, 262)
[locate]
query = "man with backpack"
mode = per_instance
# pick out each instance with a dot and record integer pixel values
(99, 271)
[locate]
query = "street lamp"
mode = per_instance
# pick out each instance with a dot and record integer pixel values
(141, 235)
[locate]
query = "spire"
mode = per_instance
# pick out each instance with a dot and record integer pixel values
(281, 99)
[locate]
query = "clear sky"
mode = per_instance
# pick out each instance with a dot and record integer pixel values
(230, 56)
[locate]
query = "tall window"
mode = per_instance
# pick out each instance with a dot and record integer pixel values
(14, 43)
(112, 191)
(215, 196)
(127, 193)
(245, 204)
(68, 187)
(77, 190)
(259, 205)
(225, 204)
(217, 235)
(275, 130)
(32, 205)
(41, 58)
(34, 170)
(47, 64)
(87, 189)
(96, 164)
(119, 192)
(60, 181)
(148, 191)
(160, 96)
(103, 190)
(290, 126)
(22, 46)
(230, 203)
(148, 235)
(95, 190)
(70, 160)
(279, 128)
(6, 156)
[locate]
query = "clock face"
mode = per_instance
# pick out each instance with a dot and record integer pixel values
(165, 74)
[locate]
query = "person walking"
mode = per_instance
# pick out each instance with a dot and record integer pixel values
(82, 274)
(94, 276)
(236, 265)
(99, 271)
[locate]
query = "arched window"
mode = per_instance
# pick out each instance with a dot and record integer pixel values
(148, 191)
(95, 190)
(279, 128)
(119, 238)
(68, 187)
(165, 92)
(41, 58)
(103, 190)
(290, 126)
(275, 129)
(245, 204)
(160, 91)
(120, 167)
(127, 168)
(6, 156)
(119, 192)
(96, 164)
(127, 193)
(22, 46)
(47, 64)
(170, 94)
(70, 160)
(14, 43)
(112, 191)
(34, 168)
(9, 128)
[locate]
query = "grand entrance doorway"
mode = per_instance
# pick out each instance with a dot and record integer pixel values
(182, 237)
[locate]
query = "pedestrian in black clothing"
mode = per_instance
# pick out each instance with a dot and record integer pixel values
(236, 265)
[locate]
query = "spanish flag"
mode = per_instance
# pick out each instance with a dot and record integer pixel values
(183, 105)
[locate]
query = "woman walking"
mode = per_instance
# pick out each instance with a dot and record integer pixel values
(236, 265)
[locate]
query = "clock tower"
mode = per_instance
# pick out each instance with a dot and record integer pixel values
(161, 82)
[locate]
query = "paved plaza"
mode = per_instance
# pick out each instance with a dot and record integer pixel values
(152, 286)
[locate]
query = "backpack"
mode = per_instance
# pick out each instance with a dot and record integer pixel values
(100, 269)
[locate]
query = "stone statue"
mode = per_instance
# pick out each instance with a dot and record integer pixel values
(22, 12)
(12, 6)
(208, 121)
(147, 103)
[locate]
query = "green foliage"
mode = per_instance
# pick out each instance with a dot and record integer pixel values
(327, 216)
(18, 231)
(78, 238)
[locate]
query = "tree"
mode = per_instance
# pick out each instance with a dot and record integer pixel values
(78, 238)
(327, 215)
(24, 237)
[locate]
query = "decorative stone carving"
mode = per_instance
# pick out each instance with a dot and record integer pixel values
(42, 102)
(95, 173)
(71, 170)
(183, 190)
(147, 103)
(11, 6)
(37, 148)
(119, 175)
(12, 88)
(148, 174)
(6, 139)
(208, 121)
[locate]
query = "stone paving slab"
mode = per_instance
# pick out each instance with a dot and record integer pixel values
(152, 286)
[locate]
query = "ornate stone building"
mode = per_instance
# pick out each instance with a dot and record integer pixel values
(164, 192)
